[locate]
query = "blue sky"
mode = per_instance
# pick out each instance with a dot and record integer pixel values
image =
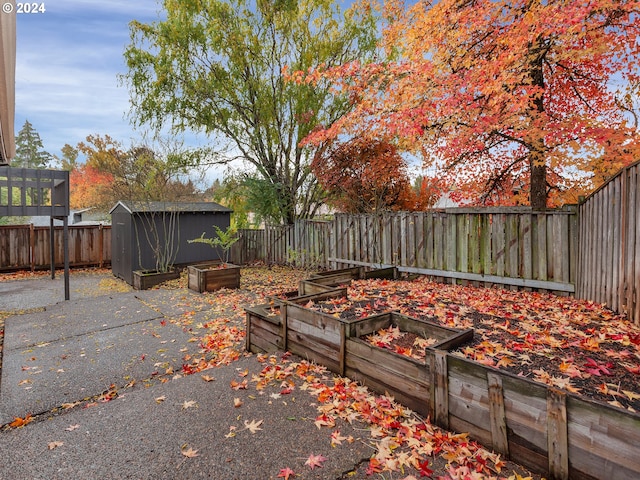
(67, 64)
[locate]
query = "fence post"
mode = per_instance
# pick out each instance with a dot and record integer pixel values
(32, 246)
(101, 246)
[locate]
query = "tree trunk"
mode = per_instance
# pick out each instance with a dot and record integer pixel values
(537, 153)
(538, 188)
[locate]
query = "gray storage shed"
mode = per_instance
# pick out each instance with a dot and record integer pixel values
(139, 228)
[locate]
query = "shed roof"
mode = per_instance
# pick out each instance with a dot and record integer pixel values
(187, 207)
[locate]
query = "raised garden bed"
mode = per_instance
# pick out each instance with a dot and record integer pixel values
(212, 276)
(266, 324)
(518, 409)
(545, 429)
(324, 281)
(336, 343)
(402, 366)
(145, 279)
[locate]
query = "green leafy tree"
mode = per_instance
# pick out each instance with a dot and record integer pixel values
(217, 67)
(69, 158)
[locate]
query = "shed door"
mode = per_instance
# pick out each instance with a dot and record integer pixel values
(121, 248)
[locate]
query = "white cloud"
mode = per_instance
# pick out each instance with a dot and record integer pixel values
(67, 67)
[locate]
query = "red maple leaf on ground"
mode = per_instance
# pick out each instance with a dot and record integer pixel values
(315, 461)
(286, 473)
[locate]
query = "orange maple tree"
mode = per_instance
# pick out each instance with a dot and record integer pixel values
(88, 186)
(362, 175)
(517, 101)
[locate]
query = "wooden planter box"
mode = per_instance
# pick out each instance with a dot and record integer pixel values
(145, 279)
(264, 328)
(288, 325)
(324, 281)
(558, 434)
(408, 380)
(212, 276)
(334, 343)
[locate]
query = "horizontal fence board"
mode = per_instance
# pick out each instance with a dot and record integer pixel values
(520, 282)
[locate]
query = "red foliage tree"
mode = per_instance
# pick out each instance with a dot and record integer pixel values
(89, 187)
(503, 96)
(362, 176)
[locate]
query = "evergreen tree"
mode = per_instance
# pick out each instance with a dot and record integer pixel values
(30, 152)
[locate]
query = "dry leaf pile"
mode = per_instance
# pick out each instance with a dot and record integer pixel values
(402, 442)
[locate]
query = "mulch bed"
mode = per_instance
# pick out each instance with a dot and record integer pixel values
(575, 345)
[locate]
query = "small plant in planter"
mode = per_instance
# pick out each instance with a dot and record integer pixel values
(158, 234)
(211, 276)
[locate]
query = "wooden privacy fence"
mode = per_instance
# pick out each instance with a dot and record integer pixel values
(305, 243)
(509, 246)
(609, 261)
(28, 247)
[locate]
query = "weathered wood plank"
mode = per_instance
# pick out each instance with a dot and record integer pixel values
(526, 412)
(462, 245)
(371, 324)
(386, 371)
(486, 260)
(498, 249)
(541, 248)
(314, 352)
(614, 280)
(440, 389)
(264, 341)
(419, 239)
(313, 325)
(401, 370)
(604, 442)
(557, 434)
(429, 240)
(512, 263)
(468, 393)
(457, 424)
(525, 238)
(451, 239)
(439, 241)
(497, 417)
(418, 404)
(632, 287)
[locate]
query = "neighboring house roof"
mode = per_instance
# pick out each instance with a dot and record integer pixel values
(76, 218)
(445, 201)
(7, 86)
(149, 207)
